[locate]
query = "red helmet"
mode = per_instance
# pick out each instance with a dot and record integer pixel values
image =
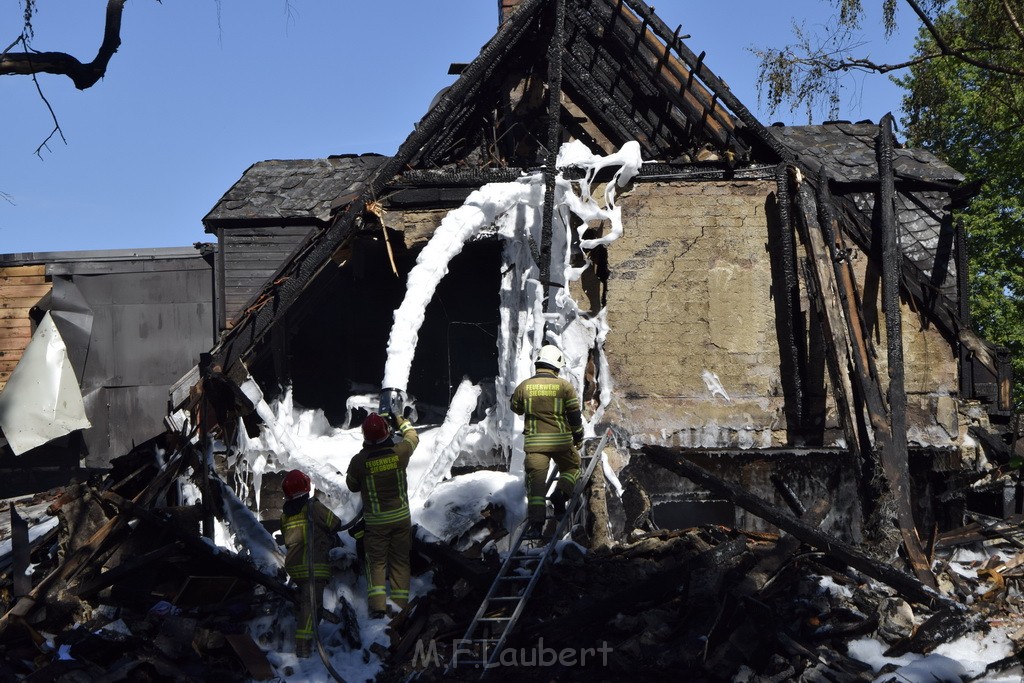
(375, 429)
(295, 484)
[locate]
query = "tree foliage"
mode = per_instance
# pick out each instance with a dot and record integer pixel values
(972, 116)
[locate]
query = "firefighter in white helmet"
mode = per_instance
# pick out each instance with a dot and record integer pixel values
(554, 431)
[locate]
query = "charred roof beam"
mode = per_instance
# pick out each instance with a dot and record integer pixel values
(713, 82)
(625, 29)
(580, 80)
(685, 111)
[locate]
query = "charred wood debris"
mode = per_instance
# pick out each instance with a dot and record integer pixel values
(124, 588)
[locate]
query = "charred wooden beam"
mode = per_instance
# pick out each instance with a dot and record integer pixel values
(891, 499)
(616, 81)
(656, 44)
(194, 543)
(891, 259)
(621, 123)
(553, 141)
(89, 550)
(592, 613)
(22, 582)
(659, 27)
(945, 625)
(824, 295)
(906, 585)
(704, 170)
(477, 574)
(126, 568)
(792, 336)
(944, 313)
(695, 102)
(759, 576)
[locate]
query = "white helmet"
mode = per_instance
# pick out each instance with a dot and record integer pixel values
(551, 357)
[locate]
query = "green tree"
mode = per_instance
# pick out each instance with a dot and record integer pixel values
(965, 103)
(972, 116)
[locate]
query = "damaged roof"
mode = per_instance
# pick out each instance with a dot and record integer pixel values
(848, 154)
(291, 191)
(624, 75)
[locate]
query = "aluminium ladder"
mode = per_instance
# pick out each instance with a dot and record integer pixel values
(490, 629)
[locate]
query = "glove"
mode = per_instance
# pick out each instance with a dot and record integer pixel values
(392, 420)
(577, 438)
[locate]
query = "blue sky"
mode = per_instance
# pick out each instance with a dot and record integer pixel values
(200, 90)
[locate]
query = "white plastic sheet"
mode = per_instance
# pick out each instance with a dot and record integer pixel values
(42, 400)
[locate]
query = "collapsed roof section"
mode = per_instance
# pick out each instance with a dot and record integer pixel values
(627, 76)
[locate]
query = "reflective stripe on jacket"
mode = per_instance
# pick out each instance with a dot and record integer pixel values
(552, 412)
(296, 532)
(378, 473)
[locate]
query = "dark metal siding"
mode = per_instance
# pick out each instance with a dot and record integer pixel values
(145, 326)
(251, 257)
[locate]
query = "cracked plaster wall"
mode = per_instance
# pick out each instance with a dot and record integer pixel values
(688, 291)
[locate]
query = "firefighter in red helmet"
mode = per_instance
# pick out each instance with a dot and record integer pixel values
(309, 528)
(378, 473)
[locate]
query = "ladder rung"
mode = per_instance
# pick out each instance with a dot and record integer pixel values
(505, 598)
(495, 619)
(517, 577)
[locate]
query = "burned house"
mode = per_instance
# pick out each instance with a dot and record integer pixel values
(775, 314)
(750, 301)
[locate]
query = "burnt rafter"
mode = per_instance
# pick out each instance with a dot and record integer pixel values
(714, 83)
(665, 115)
(479, 102)
(629, 41)
(583, 81)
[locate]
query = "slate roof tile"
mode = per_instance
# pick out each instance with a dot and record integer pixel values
(292, 190)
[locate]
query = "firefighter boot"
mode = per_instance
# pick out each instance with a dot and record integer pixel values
(558, 501)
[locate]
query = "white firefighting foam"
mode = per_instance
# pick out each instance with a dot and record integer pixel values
(297, 438)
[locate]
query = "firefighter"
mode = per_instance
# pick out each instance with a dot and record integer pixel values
(377, 472)
(303, 540)
(554, 431)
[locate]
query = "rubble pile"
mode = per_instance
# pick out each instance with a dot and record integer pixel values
(115, 581)
(124, 587)
(723, 605)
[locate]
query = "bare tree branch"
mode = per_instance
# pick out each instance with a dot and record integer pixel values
(1013, 20)
(962, 55)
(808, 71)
(60, 63)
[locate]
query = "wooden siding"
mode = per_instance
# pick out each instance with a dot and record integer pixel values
(21, 287)
(251, 256)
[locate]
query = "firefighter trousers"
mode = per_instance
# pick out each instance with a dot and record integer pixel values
(309, 616)
(536, 464)
(387, 556)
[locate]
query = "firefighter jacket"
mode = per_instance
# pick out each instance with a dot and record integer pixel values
(552, 412)
(301, 540)
(378, 473)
